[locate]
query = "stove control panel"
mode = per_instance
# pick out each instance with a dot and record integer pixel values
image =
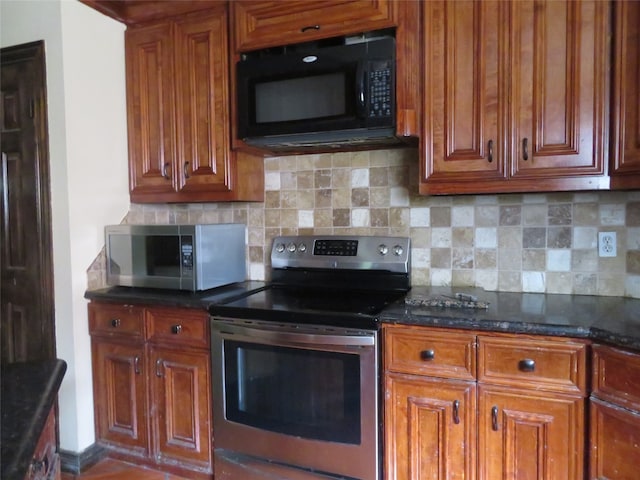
(346, 252)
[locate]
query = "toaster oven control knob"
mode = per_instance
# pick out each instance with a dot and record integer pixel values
(398, 250)
(291, 247)
(383, 249)
(302, 248)
(280, 247)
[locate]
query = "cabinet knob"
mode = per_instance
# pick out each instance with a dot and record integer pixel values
(527, 365)
(176, 329)
(115, 322)
(427, 355)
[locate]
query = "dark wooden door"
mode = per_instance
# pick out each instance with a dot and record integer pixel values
(27, 313)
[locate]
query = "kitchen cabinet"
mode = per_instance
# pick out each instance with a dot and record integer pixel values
(178, 113)
(430, 404)
(529, 391)
(615, 414)
(625, 114)
(152, 382)
(514, 96)
(261, 24)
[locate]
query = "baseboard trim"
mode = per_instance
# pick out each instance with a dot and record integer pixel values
(76, 463)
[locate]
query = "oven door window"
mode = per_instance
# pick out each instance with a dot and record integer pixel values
(293, 391)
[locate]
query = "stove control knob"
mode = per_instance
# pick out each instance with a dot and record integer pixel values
(383, 249)
(280, 247)
(398, 250)
(302, 248)
(291, 247)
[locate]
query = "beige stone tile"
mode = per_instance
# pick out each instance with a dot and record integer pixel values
(420, 236)
(379, 177)
(440, 258)
(420, 276)
(534, 215)
(306, 199)
(611, 284)
(305, 180)
(341, 217)
(341, 198)
(399, 218)
(462, 258)
(509, 237)
(379, 197)
(379, 217)
(633, 214)
(509, 259)
(534, 260)
(322, 178)
(323, 198)
(462, 237)
(272, 218)
(463, 278)
(633, 262)
(509, 281)
(586, 214)
(487, 215)
(486, 258)
(323, 218)
(360, 197)
(340, 160)
(585, 284)
(584, 260)
(340, 178)
(560, 282)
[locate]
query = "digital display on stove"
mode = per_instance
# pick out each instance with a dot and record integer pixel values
(342, 248)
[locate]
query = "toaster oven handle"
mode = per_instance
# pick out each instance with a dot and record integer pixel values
(285, 337)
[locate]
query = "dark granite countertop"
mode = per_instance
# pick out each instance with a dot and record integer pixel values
(29, 390)
(174, 298)
(611, 320)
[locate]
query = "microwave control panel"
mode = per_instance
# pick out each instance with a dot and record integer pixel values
(380, 89)
(186, 253)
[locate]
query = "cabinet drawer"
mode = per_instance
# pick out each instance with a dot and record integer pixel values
(615, 376)
(433, 352)
(178, 327)
(125, 320)
(528, 362)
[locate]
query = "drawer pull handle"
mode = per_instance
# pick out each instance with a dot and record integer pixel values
(136, 364)
(115, 322)
(176, 329)
(527, 365)
(310, 27)
(456, 412)
(525, 149)
(490, 151)
(427, 355)
(185, 170)
(494, 418)
(165, 171)
(158, 369)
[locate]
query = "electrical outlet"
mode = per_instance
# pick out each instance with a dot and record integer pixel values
(607, 244)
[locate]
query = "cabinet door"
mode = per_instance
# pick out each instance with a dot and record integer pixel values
(180, 392)
(430, 428)
(530, 435)
(202, 105)
(625, 131)
(260, 24)
(559, 65)
(465, 102)
(150, 111)
(119, 392)
(615, 440)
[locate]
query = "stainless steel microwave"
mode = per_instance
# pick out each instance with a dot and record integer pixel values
(334, 92)
(177, 257)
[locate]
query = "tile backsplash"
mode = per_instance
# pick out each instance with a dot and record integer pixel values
(513, 242)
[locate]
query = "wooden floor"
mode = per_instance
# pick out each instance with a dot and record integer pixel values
(109, 469)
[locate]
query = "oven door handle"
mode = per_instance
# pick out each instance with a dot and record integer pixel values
(291, 338)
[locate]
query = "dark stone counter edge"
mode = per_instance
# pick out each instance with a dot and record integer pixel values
(28, 413)
(395, 313)
(595, 334)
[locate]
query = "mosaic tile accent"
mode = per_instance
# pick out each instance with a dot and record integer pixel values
(519, 243)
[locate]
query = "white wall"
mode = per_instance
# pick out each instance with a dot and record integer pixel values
(88, 157)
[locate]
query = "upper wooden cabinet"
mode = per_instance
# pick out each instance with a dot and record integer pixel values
(178, 113)
(261, 24)
(625, 114)
(515, 96)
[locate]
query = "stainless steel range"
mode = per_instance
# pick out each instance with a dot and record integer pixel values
(296, 364)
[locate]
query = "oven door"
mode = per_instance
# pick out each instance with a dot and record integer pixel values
(301, 396)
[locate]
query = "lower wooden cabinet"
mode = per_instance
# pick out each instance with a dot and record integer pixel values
(525, 434)
(152, 386)
(520, 413)
(615, 414)
(430, 428)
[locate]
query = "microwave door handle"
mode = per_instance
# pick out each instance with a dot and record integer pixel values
(361, 101)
